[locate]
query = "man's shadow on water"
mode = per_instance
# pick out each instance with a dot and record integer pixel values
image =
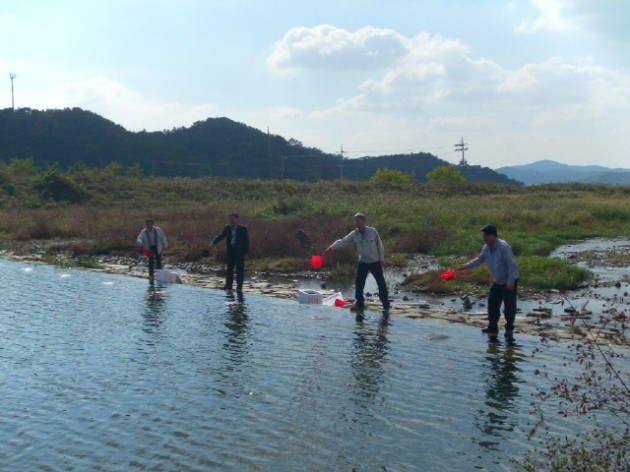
(237, 323)
(153, 312)
(502, 375)
(370, 355)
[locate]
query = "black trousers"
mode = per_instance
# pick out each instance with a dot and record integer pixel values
(155, 261)
(235, 260)
(500, 294)
(376, 270)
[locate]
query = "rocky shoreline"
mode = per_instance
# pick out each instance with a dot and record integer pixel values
(537, 322)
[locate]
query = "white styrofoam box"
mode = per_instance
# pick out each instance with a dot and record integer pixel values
(310, 297)
(163, 276)
(330, 300)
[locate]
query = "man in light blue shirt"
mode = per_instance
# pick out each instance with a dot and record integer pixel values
(499, 256)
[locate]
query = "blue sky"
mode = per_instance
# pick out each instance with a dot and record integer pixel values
(519, 80)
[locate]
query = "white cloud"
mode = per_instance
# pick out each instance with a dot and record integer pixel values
(459, 83)
(596, 17)
(126, 107)
(326, 47)
(554, 15)
(437, 88)
(343, 107)
(287, 113)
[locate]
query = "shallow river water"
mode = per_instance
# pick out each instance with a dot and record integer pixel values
(104, 372)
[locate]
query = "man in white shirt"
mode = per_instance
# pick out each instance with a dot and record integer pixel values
(371, 260)
(153, 240)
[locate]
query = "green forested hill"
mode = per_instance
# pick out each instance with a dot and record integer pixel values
(216, 147)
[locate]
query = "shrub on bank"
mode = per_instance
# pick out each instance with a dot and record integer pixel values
(476, 281)
(535, 272)
(541, 272)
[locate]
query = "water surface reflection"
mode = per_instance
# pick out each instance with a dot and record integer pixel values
(238, 329)
(370, 352)
(502, 378)
(153, 312)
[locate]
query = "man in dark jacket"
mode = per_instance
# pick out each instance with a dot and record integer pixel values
(237, 243)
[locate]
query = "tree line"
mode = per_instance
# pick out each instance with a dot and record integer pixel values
(215, 147)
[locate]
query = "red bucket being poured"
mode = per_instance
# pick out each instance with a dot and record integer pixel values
(340, 303)
(148, 252)
(449, 274)
(317, 261)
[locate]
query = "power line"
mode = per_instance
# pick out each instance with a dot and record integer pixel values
(387, 151)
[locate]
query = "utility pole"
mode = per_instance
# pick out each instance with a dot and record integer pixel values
(341, 153)
(12, 76)
(461, 146)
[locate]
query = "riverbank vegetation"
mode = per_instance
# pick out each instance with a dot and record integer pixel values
(91, 212)
(536, 272)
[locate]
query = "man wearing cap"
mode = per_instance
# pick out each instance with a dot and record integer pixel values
(499, 256)
(371, 260)
(153, 241)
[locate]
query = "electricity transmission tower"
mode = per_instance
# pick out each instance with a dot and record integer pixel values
(341, 153)
(462, 146)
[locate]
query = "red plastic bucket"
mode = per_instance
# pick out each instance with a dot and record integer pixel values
(148, 252)
(317, 261)
(340, 303)
(449, 274)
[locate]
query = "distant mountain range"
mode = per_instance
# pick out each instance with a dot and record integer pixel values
(216, 147)
(546, 171)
